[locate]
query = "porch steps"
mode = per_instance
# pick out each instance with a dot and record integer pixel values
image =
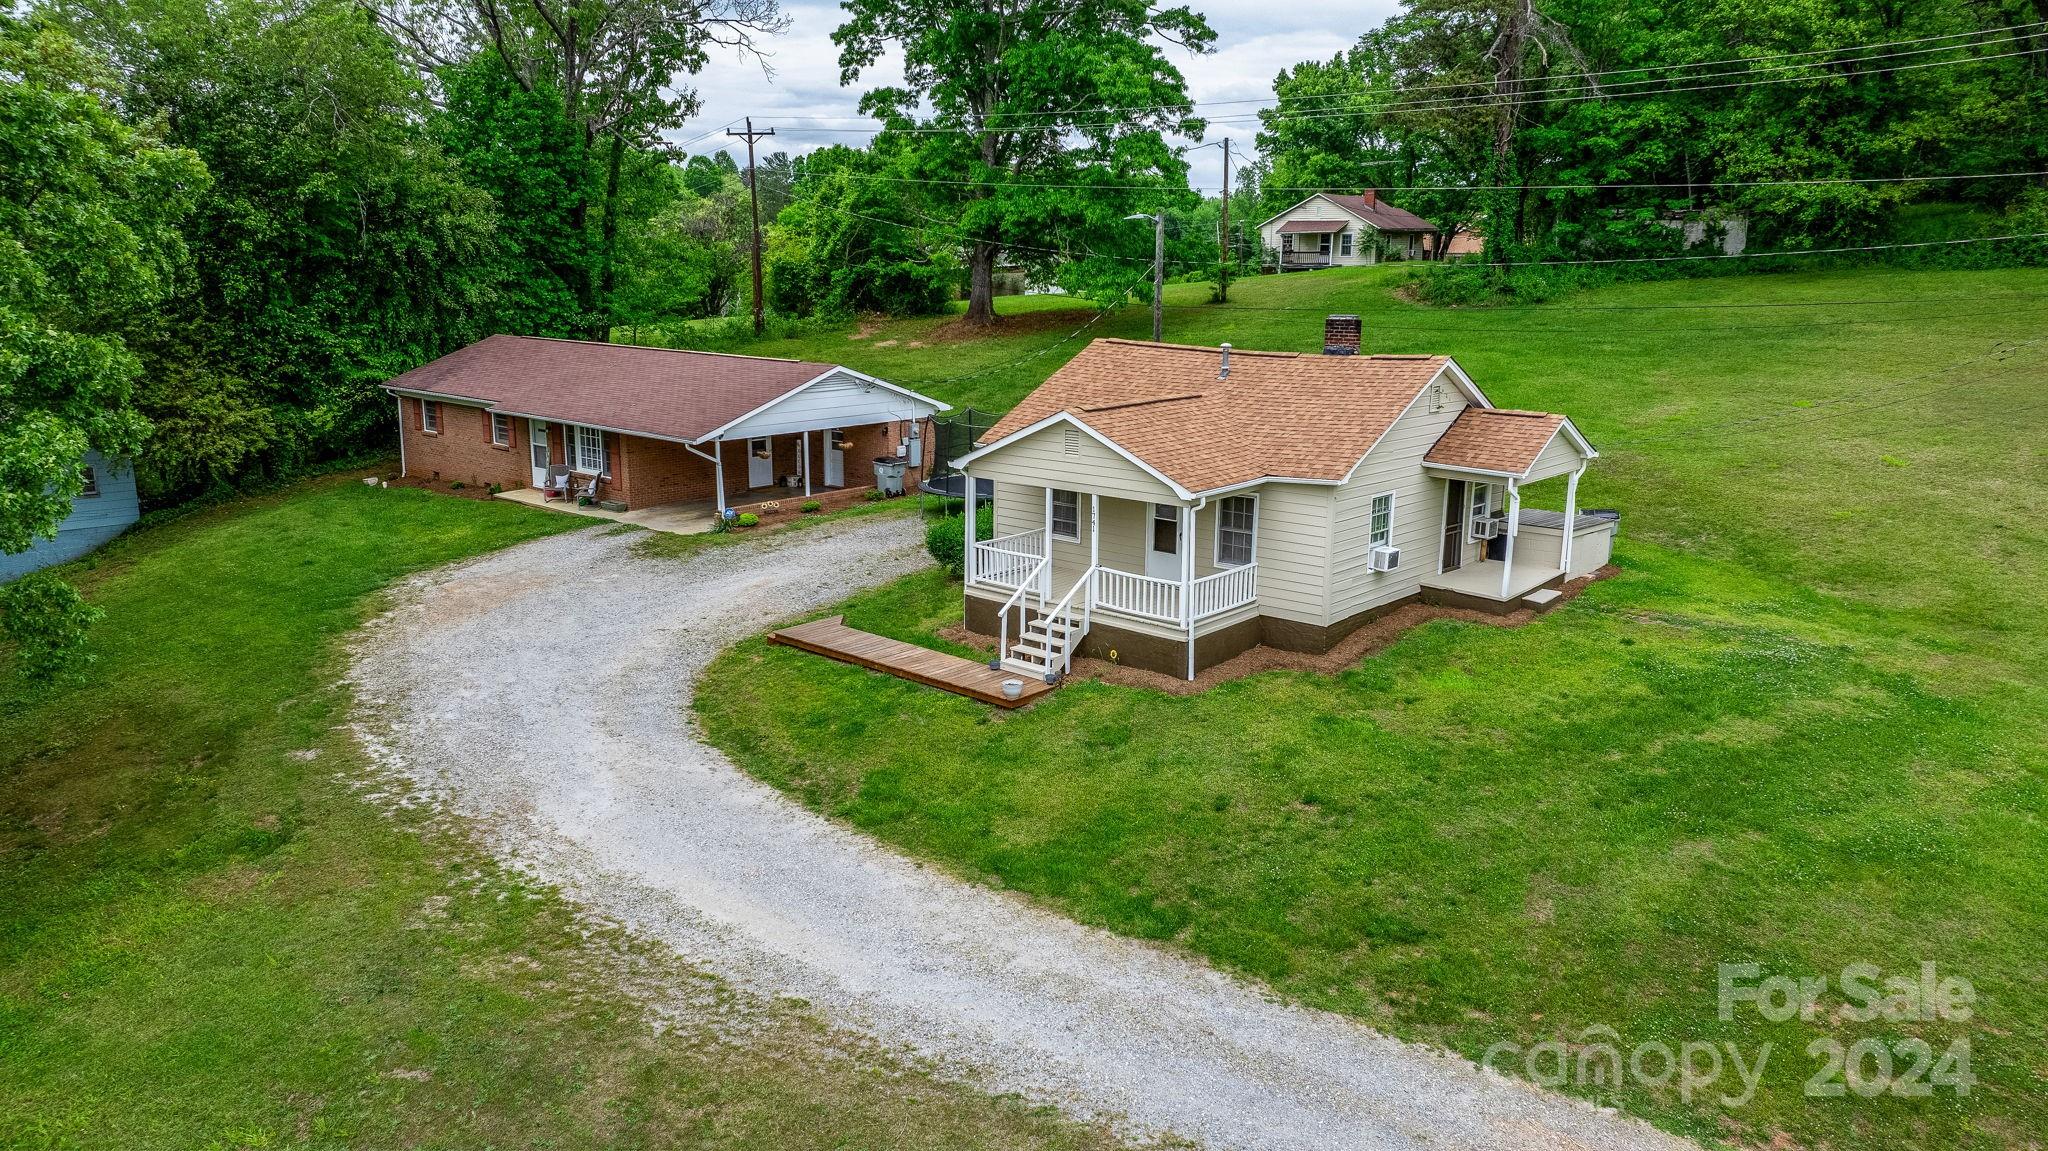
(1037, 652)
(1543, 599)
(831, 638)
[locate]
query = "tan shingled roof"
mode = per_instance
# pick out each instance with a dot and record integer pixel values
(1494, 440)
(1280, 414)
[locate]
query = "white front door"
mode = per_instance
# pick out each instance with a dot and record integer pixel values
(538, 434)
(760, 463)
(1162, 542)
(835, 458)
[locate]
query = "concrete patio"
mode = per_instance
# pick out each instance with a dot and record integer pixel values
(686, 518)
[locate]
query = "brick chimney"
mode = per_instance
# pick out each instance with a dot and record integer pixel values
(1372, 197)
(1341, 335)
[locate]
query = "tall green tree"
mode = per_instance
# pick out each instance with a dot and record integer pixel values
(89, 215)
(1027, 94)
(846, 243)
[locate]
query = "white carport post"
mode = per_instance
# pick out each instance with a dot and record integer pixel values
(1507, 558)
(1094, 543)
(804, 461)
(401, 436)
(1571, 520)
(967, 557)
(718, 474)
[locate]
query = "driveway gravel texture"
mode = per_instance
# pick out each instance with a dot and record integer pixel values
(542, 694)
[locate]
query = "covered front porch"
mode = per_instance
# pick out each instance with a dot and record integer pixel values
(1162, 570)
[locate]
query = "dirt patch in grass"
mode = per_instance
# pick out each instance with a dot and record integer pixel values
(960, 331)
(459, 488)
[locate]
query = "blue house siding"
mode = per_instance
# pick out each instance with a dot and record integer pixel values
(93, 521)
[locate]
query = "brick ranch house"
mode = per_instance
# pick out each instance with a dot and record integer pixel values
(1176, 505)
(653, 426)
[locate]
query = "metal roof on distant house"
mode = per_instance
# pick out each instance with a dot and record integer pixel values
(1282, 415)
(1369, 208)
(660, 392)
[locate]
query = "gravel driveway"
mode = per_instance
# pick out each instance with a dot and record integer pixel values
(543, 692)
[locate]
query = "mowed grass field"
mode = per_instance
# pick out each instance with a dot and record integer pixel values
(215, 933)
(1806, 727)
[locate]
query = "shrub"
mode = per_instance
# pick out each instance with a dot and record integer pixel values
(810, 506)
(748, 519)
(47, 621)
(873, 495)
(944, 538)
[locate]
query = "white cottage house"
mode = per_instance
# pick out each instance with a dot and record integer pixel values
(1333, 230)
(1176, 505)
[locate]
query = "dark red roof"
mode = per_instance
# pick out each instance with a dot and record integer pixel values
(1315, 225)
(653, 391)
(1381, 215)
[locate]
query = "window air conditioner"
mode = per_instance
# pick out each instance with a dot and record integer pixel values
(1384, 558)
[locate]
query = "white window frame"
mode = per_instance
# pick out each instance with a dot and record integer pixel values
(576, 446)
(1075, 535)
(1344, 243)
(1375, 537)
(504, 441)
(430, 417)
(90, 489)
(1323, 244)
(1216, 545)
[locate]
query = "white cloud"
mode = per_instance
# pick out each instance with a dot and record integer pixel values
(804, 102)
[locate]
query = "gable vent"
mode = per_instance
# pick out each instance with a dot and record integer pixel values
(1072, 444)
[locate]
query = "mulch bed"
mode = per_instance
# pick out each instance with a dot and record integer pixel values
(467, 491)
(1368, 639)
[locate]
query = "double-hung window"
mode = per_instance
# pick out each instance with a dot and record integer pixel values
(590, 451)
(1481, 497)
(91, 489)
(1237, 530)
(430, 416)
(1066, 515)
(1383, 519)
(1343, 243)
(501, 429)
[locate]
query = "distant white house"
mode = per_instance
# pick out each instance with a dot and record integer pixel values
(1333, 230)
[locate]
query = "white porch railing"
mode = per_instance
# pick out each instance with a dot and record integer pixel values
(1139, 595)
(1227, 589)
(1007, 561)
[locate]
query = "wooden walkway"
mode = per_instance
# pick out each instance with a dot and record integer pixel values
(830, 637)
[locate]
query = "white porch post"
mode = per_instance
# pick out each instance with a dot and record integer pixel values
(718, 474)
(1045, 573)
(1187, 580)
(1571, 520)
(967, 558)
(1507, 559)
(401, 437)
(1094, 542)
(804, 456)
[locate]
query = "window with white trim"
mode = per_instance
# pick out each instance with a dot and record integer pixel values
(1237, 530)
(590, 451)
(1343, 243)
(1066, 515)
(1482, 497)
(91, 489)
(501, 429)
(1383, 519)
(430, 416)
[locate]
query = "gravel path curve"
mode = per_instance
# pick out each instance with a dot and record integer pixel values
(543, 692)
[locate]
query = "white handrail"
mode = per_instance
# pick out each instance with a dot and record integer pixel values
(1224, 590)
(1003, 616)
(1070, 637)
(1003, 567)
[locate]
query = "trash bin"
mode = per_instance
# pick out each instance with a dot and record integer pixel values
(889, 474)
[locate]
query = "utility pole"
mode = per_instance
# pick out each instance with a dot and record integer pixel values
(754, 194)
(1223, 235)
(1158, 274)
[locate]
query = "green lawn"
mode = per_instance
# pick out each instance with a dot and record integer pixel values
(210, 939)
(1805, 726)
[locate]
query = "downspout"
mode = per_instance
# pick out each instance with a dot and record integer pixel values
(717, 459)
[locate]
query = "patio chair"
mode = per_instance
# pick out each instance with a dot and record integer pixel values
(557, 487)
(587, 490)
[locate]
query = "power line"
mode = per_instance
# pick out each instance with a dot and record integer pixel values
(1764, 255)
(1631, 330)
(1622, 186)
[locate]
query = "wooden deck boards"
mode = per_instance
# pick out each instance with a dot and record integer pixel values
(831, 638)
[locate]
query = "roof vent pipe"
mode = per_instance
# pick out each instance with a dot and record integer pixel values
(1223, 373)
(1342, 335)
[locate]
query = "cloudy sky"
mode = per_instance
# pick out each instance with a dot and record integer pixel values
(1254, 40)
